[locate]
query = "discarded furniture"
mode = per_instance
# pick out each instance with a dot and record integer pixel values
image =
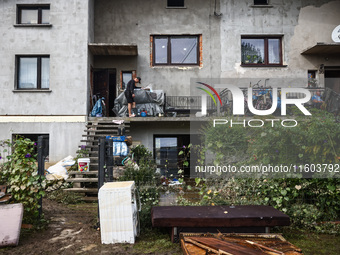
(213, 219)
(3, 196)
(236, 244)
(10, 218)
(118, 211)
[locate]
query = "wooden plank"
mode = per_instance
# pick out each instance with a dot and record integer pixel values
(97, 131)
(93, 136)
(82, 180)
(273, 244)
(191, 249)
(106, 126)
(93, 141)
(82, 190)
(218, 216)
(103, 122)
(265, 247)
(83, 173)
(226, 246)
(94, 147)
(198, 244)
(90, 199)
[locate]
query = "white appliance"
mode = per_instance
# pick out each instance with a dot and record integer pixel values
(118, 212)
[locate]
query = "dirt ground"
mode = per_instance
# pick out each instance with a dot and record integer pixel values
(71, 230)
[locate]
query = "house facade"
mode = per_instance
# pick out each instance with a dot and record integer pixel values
(55, 56)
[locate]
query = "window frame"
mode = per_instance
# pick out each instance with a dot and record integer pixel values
(133, 75)
(175, 6)
(266, 51)
(169, 63)
(261, 3)
(181, 140)
(38, 7)
(39, 73)
(34, 138)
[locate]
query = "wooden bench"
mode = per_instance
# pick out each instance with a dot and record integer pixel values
(213, 219)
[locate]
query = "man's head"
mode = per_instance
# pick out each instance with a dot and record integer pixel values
(318, 92)
(137, 79)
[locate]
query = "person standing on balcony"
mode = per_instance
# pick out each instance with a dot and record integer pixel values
(130, 94)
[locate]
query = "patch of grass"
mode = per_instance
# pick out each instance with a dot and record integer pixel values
(312, 243)
(156, 241)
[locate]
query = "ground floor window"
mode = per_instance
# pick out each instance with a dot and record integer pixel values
(34, 138)
(332, 78)
(166, 150)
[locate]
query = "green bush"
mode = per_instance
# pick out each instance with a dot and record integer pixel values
(20, 174)
(308, 201)
(143, 172)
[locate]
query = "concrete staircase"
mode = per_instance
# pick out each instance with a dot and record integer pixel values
(87, 182)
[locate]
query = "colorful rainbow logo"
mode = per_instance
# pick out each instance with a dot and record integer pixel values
(209, 93)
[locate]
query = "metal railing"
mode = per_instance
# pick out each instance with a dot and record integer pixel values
(187, 104)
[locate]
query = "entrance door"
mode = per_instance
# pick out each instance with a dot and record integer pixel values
(332, 78)
(104, 85)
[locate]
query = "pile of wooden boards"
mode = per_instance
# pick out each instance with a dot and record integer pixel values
(236, 244)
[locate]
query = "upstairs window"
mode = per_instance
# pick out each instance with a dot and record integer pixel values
(175, 3)
(260, 2)
(176, 50)
(261, 51)
(33, 14)
(33, 72)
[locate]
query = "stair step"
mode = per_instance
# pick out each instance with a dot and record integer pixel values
(82, 190)
(92, 147)
(89, 147)
(94, 136)
(83, 173)
(100, 122)
(101, 131)
(90, 199)
(82, 180)
(90, 152)
(93, 141)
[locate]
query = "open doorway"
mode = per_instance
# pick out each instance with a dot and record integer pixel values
(332, 78)
(104, 85)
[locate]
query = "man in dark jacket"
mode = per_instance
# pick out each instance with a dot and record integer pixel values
(130, 94)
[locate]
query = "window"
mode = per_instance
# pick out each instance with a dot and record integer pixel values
(176, 50)
(175, 3)
(34, 138)
(261, 51)
(33, 72)
(166, 150)
(125, 77)
(33, 14)
(312, 82)
(260, 2)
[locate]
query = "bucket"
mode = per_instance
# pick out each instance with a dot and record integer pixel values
(83, 164)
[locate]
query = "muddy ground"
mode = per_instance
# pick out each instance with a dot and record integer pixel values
(71, 230)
